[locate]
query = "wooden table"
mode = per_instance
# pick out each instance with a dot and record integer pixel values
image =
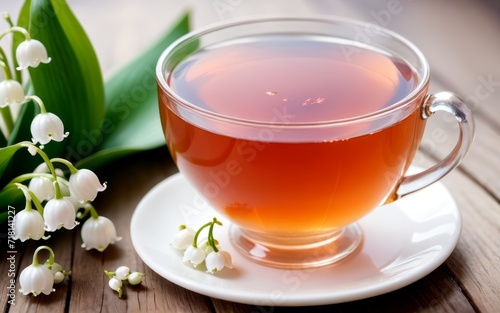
(462, 43)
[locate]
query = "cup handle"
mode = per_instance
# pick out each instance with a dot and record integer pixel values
(451, 103)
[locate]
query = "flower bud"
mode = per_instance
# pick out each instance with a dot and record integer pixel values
(135, 278)
(116, 284)
(122, 272)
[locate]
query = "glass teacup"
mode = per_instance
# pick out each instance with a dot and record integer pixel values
(294, 128)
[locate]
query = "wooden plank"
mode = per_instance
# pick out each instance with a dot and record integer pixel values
(10, 257)
(475, 260)
(436, 292)
(128, 181)
(61, 243)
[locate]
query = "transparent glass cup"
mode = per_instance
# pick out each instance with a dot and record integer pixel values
(294, 189)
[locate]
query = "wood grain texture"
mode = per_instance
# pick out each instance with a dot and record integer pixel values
(459, 38)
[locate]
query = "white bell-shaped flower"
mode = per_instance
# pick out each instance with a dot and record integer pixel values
(122, 272)
(116, 285)
(183, 239)
(135, 278)
(98, 233)
(11, 92)
(84, 185)
(42, 187)
(216, 261)
(59, 213)
(46, 127)
(194, 255)
(30, 53)
(28, 224)
(36, 279)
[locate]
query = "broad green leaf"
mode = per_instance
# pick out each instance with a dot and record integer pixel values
(71, 84)
(10, 196)
(3, 217)
(6, 155)
(132, 121)
(3, 141)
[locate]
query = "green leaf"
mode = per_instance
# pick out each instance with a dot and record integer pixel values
(71, 85)
(6, 155)
(13, 197)
(132, 121)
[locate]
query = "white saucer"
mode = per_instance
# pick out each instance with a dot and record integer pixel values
(403, 242)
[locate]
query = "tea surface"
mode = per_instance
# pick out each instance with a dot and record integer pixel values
(311, 79)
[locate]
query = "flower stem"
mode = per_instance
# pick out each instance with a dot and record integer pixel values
(47, 161)
(38, 101)
(92, 210)
(8, 120)
(18, 29)
(70, 165)
(195, 240)
(30, 196)
(109, 274)
(210, 239)
(51, 257)
(7, 75)
(7, 18)
(28, 176)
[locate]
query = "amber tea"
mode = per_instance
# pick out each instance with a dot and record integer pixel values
(308, 185)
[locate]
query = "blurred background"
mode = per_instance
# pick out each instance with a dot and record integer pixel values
(460, 39)
(121, 29)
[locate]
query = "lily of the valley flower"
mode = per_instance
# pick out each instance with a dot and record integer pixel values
(46, 127)
(205, 251)
(11, 92)
(42, 187)
(98, 233)
(116, 284)
(84, 185)
(194, 255)
(28, 224)
(216, 261)
(56, 270)
(37, 278)
(135, 278)
(183, 239)
(122, 272)
(30, 53)
(59, 213)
